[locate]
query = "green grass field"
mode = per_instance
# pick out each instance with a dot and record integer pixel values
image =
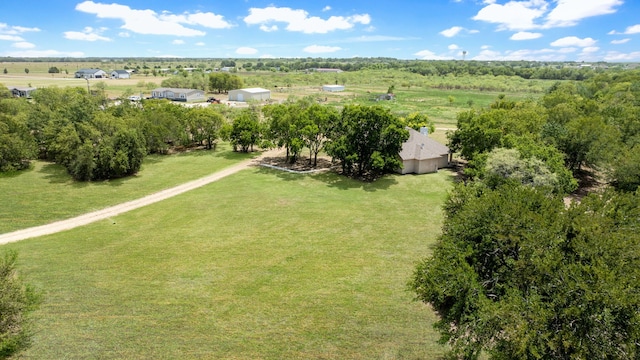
(46, 193)
(259, 265)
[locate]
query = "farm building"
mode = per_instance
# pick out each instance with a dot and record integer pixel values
(332, 88)
(90, 74)
(421, 154)
(175, 94)
(120, 74)
(249, 94)
(19, 91)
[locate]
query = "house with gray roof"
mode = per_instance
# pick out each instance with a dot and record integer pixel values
(90, 74)
(176, 94)
(420, 154)
(22, 91)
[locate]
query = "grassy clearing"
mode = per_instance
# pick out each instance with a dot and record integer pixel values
(260, 265)
(46, 192)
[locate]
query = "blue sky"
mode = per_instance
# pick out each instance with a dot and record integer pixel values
(543, 30)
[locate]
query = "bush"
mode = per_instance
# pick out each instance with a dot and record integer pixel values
(16, 300)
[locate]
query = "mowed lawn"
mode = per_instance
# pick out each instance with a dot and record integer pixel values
(259, 265)
(45, 193)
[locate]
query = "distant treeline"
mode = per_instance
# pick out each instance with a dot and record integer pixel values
(523, 69)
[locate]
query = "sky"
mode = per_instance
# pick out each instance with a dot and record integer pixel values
(486, 30)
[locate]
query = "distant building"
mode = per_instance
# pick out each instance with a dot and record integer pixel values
(332, 88)
(420, 154)
(249, 94)
(175, 94)
(328, 70)
(120, 74)
(20, 91)
(90, 74)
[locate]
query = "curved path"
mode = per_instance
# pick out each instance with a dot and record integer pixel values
(115, 210)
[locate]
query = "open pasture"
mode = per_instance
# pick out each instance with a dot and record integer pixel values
(259, 265)
(46, 193)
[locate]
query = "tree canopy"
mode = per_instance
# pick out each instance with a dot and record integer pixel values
(518, 276)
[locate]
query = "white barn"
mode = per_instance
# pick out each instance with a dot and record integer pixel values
(332, 88)
(420, 154)
(249, 94)
(120, 74)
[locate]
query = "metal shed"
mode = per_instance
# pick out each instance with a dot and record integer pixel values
(332, 88)
(249, 94)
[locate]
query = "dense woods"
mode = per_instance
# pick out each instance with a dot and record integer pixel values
(518, 273)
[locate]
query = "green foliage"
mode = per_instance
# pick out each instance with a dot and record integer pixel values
(223, 82)
(54, 70)
(517, 275)
(186, 80)
(16, 301)
(245, 131)
(17, 144)
(204, 125)
(417, 120)
(367, 141)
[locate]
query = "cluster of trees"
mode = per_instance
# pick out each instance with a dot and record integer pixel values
(94, 141)
(365, 140)
(575, 126)
(517, 273)
(217, 81)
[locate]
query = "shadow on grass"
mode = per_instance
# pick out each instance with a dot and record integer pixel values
(333, 179)
(57, 174)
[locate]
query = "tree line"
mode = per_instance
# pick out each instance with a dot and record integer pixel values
(519, 274)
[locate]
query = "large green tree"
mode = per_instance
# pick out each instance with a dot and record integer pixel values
(367, 140)
(516, 275)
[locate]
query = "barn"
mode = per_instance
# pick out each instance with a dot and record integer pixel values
(249, 94)
(332, 88)
(120, 74)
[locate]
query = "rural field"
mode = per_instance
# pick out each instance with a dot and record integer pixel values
(259, 265)
(262, 264)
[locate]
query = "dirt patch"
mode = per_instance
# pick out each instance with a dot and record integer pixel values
(301, 165)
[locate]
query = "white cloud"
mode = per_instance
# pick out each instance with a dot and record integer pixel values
(124, 34)
(513, 15)
(570, 12)
(614, 56)
(452, 31)
(525, 35)
(574, 41)
(23, 45)
(430, 55)
(318, 49)
(326, 8)
(199, 43)
(300, 21)
(178, 42)
(11, 37)
(15, 30)
(150, 22)
(453, 47)
(271, 28)
(621, 41)
(246, 51)
(635, 29)
(485, 47)
(567, 50)
(87, 34)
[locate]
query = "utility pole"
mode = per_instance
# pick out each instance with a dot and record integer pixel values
(88, 89)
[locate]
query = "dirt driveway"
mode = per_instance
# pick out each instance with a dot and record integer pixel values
(115, 210)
